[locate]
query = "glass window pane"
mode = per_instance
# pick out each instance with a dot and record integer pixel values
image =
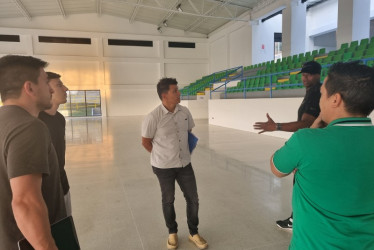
(93, 102)
(78, 103)
(82, 103)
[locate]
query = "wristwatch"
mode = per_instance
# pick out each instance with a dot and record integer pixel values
(279, 126)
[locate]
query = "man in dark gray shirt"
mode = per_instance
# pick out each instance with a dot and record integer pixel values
(31, 196)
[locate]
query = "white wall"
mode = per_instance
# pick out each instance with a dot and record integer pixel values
(243, 113)
(263, 39)
(126, 76)
(321, 19)
(198, 108)
(230, 46)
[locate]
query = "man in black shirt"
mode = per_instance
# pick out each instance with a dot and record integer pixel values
(56, 123)
(308, 111)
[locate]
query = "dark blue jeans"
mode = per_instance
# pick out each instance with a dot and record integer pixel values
(186, 180)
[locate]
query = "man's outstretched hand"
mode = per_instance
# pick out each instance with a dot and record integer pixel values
(268, 126)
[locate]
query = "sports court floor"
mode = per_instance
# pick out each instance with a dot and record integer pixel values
(116, 197)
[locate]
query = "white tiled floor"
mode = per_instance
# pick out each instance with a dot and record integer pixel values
(117, 201)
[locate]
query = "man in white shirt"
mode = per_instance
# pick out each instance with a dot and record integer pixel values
(165, 136)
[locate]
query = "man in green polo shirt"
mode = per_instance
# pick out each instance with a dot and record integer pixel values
(333, 199)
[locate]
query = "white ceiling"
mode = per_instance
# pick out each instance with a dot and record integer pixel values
(201, 16)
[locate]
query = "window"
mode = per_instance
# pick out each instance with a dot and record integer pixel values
(277, 46)
(82, 103)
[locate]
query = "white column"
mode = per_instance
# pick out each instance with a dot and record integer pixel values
(353, 21)
(294, 28)
(298, 27)
(361, 19)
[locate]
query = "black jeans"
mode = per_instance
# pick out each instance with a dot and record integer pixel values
(186, 179)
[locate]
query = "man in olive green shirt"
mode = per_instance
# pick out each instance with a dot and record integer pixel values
(333, 199)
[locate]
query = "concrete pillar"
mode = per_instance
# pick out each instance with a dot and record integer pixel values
(293, 28)
(353, 21)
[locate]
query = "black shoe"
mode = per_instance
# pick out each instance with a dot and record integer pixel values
(285, 224)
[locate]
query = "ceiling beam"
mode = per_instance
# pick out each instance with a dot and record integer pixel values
(22, 8)
(207, 14)
(262, 4)
(135, 11)
(61, 8)
(194, 7)
(228, 11)
(158, 3)
(98, 7)
(177, 12)
(233, 4)
(171, 12)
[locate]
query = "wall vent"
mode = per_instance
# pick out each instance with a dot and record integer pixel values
(181, 45)
(140, 43)
(70, 40)
(9, 38)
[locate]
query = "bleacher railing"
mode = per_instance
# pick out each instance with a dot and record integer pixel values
(217, 78)
(223, 88)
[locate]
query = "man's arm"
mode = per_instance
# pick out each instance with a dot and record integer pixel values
(30, 211)
(275, 170)
(305, 122)
(147, 144)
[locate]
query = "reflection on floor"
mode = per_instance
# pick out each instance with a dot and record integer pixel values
(117, 201)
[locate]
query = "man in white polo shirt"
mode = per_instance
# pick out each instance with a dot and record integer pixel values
(165, 136)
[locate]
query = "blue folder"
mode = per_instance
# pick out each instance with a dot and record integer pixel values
(192, 141)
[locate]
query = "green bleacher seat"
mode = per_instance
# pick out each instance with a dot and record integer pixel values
(370, 63)
(347, 56)
(353, 44)
(293, 79)
(337, 58)
(328, 60)
(340, 51)
(255, 85)
(344, 46)
(369, 53)
(361, 47)
(358, 55)
(364, 41)
(320, 60)
(371, 45)
(285, 83)
(322, 51)
(324, 71)
(314, 52)
(331, 53)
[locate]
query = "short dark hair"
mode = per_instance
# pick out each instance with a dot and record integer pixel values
(15, 71)
(52, 75)
(355, 83)
(163, 85)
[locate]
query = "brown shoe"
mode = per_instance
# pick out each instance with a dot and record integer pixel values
(172, 241)
(198, 241)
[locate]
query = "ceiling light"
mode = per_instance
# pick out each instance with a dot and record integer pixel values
(179, 8)
(159, 29)
(165, 23)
